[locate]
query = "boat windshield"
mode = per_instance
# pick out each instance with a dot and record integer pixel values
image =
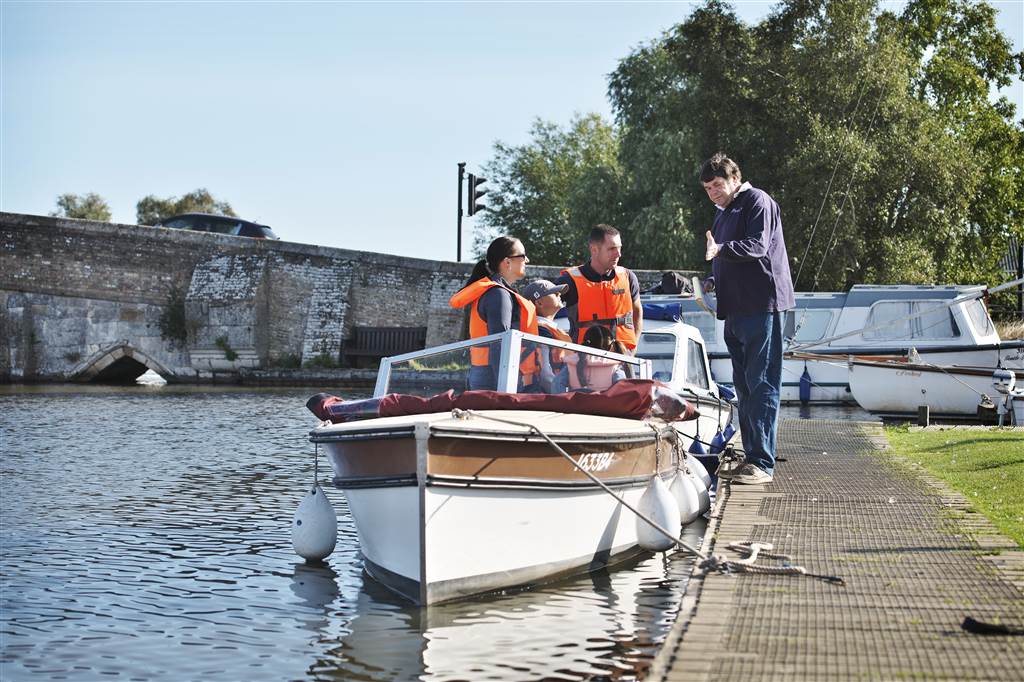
(542, 365)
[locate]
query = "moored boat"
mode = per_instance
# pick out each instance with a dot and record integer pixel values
(900, 387)
(947, 325)
(451, 501)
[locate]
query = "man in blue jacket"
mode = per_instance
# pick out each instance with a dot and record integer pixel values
(753, 286)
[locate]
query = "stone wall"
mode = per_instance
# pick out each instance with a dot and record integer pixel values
(79, 296)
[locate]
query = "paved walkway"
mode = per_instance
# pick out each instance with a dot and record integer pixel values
(916, 561)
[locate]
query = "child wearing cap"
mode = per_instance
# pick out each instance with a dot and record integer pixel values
(547, 298)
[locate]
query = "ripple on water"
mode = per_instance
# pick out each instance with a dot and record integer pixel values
(146, 536)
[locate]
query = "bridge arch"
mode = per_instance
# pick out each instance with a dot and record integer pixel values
(118, 362)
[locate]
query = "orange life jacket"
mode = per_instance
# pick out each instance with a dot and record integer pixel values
(479, 356)
(607, 303)
(557, 354)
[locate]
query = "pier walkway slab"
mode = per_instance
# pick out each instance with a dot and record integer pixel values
(916, 560)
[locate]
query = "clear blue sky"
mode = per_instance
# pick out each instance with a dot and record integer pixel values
(337, 124)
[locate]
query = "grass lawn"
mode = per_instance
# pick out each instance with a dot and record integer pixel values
(985, 465)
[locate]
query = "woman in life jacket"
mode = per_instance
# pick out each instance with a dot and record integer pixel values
(593, 373)
(495, 307)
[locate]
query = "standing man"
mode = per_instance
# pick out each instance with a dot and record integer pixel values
(750, 275)
(602, 293)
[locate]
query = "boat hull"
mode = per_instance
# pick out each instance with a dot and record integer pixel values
(830, 382)
(448, 508)
(897, 388)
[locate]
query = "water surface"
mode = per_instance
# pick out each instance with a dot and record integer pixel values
(145, 536)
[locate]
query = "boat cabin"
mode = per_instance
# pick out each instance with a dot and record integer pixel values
(877, 320)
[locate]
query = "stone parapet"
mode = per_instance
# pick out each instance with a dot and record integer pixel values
(198, 306)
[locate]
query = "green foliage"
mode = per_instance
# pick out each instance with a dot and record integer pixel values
(152, 209)
(551, 191)
(875, 132)
(173, 322)
(229, 353)
(286, 361)
(88, 207)
(986, 466)
(323, 361)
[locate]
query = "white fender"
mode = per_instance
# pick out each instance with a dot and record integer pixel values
(658, 505)
(685, 492)
(698, 468)
(703, 496)
(315, 526)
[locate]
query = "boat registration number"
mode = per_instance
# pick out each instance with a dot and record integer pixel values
(595, 461)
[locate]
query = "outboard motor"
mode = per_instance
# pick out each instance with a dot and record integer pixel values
(1004, 381)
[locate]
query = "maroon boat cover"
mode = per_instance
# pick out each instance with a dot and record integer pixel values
(629, 399)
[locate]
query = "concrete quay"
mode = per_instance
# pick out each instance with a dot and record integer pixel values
(915, 559)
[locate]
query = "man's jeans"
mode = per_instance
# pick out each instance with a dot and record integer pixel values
(755, 346)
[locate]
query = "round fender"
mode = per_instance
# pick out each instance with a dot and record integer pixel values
(659, 506)
(315, 526)
(685, 492)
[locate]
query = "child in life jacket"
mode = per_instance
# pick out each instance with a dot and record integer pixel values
(547, 297)
(593, 373)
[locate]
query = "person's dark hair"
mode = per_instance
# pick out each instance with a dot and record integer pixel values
(599, 232)
(598, 337)
(719, 166)
(500, 249)
(601, 338)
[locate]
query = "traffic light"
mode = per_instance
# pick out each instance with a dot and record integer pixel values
(475, 194)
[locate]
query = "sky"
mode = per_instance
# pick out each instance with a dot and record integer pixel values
(337, 124)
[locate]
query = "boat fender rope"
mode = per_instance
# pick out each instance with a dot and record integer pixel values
(708, 563)
(466, 414)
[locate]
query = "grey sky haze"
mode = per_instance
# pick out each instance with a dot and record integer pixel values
(337, 124)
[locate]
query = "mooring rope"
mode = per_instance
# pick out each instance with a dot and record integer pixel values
(708, 562)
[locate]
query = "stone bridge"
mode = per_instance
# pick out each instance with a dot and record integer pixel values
(82, 300)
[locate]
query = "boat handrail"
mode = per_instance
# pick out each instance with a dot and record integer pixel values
(511, 343)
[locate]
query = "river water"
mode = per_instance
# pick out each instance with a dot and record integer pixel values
(146, 536)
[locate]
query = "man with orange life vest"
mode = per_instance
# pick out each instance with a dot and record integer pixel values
(495, 307)
(603, 293)
(547, 298)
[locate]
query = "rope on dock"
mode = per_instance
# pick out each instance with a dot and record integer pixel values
(754, 550)
(708, 562)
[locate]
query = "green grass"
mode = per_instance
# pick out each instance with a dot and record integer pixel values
(985, 465)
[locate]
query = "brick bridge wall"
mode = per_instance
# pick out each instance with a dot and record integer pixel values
(78, 296)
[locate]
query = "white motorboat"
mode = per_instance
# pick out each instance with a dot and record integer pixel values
(449, 504)
(883, 321)
(899, 388)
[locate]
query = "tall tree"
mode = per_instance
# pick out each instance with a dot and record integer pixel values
(550, 191)
(90, 206)
(875, 131)
(152, 209)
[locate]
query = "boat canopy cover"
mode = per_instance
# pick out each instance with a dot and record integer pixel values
(670, 311)
(629, 399)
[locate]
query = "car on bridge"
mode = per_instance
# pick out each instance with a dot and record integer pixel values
(221, 224)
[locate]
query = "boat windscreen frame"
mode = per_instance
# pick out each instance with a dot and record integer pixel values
(511, 344)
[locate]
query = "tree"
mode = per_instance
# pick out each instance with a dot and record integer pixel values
(89, 207)
(151, 209)
(875, 131)
(549, 192)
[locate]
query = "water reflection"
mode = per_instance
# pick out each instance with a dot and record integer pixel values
(606, 624)
(146, 535)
